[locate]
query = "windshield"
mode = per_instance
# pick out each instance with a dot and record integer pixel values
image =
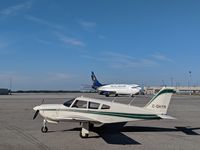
(69, 102)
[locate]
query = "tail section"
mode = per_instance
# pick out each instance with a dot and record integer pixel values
(96, 83)
(160, 102)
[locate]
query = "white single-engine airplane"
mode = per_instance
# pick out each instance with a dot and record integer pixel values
(89, 111)
(115, 89)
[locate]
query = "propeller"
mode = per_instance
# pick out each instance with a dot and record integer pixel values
(35, 115)
(37, 111)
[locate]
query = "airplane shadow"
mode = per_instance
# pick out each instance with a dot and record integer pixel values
(113, 133)
(186, 130)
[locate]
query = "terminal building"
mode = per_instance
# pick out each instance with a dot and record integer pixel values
(4, 91)
(179, 90)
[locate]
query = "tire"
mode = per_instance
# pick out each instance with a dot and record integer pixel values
(44, 129)
(107, 95)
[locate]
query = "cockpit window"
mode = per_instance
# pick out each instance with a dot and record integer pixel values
(93, 105)
(69, 102)
(134, 87)
(105, 106)
(80, 104)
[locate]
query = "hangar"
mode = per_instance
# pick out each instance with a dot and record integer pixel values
(4, 91)
(180, 90)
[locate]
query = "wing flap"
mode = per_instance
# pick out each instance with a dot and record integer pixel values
(82, 119)
(166, 117)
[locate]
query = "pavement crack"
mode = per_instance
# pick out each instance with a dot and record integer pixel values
(26, 136)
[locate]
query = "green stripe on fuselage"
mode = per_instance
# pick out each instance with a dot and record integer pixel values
(127, 115)
(116, 114)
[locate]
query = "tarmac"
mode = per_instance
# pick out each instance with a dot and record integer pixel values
(19, 131)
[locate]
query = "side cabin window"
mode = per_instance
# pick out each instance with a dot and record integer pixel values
(69, 102)
(134, 87)
(105, 106)
(80, 104)
(93, 105)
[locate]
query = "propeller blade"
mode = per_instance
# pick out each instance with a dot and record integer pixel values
(35, 115)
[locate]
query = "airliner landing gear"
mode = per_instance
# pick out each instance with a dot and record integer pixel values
(44, 128)
(84, 133)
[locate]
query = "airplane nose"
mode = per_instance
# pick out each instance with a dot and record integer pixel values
(36, 108)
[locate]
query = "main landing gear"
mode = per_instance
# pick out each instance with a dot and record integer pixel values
(84, 133)
(44, 128)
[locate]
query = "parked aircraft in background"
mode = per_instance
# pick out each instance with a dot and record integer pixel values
(89, 111)
(115, 89)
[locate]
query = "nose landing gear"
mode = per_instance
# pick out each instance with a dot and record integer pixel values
(44, 128)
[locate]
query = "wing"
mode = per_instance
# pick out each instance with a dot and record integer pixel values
(82, 119)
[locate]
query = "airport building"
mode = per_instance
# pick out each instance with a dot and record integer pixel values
(179, 90)
(4, 91)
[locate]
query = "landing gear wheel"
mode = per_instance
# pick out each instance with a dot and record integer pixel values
(44, 129)
(84, 135)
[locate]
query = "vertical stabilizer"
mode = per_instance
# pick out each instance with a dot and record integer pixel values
(160, 102)
(96, 83)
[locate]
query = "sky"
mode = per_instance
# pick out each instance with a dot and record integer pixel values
(55, 44)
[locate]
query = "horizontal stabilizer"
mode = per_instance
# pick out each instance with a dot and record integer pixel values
(166, 117)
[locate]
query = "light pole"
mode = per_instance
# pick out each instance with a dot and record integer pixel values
(190, 74)
(172, 81)
(163, 83)
(10, 85)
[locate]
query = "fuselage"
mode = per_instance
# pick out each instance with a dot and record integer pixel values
(101, 112)
(127, 89)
